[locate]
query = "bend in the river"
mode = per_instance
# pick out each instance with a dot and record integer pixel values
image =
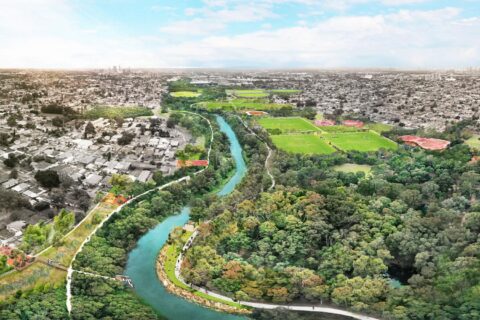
(141, 265)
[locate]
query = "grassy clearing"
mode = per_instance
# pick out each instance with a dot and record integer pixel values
(379, 127)
(169, 266)
(38, 273)
(354, 168)
(285, 91)
(253, 93)
(302, 143)
(360, 141)
(185, 94)
(474, 142)
(111, 112)
(339, 128)
(287, 124)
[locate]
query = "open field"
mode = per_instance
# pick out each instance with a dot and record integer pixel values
(288, 124)
(185, 94)
(302, 143)
(360, 141)
(251, 93)
(339, 128)
(474, 142)
(241, 104)
(38, 273)
(379, 127)
(285, 91)
(111, 112)
(353, 168)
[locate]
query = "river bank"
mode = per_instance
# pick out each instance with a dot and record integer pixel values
(189, 293)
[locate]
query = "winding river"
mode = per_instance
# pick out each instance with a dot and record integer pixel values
(142, 260)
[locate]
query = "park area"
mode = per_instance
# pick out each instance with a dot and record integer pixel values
(253, 93)
(289, 124)
(302, 143)
(111, 112)
(39, 273)
(474, 142)
(360, 141)
(185, 94)
(353, 168)
(286, 134)
(241, 104)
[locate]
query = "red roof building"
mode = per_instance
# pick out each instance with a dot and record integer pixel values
(256, 113)
(426, 143)
(192, 163)
(353, 123)
(324, 123)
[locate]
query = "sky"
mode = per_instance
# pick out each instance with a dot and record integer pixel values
(403, 34)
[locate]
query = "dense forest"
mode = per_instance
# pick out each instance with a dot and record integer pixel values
(401, 243)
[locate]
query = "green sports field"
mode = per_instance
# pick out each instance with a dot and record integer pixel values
(185, 94)
(339, 128)
(288, 124)
(302, 143)
(360, 141)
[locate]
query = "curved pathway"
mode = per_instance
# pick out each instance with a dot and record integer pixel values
(70, 270)
(258, 305)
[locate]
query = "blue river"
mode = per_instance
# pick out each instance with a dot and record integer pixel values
(141, 263)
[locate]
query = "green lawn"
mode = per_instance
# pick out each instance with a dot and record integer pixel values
(379, 127)
(360, 141)
(302, 143)
(285, 91)
(185, 94)
(339, 128)
(241, 104)
(474, 142)
(287, 124)
(354, 168)
(249, 93)
(111, 112)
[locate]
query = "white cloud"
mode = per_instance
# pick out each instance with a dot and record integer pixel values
(47, 33)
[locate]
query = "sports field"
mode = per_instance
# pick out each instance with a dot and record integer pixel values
(339, 128)
(288, 124)
(360, 141)
(302, 143)
(185, 94)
